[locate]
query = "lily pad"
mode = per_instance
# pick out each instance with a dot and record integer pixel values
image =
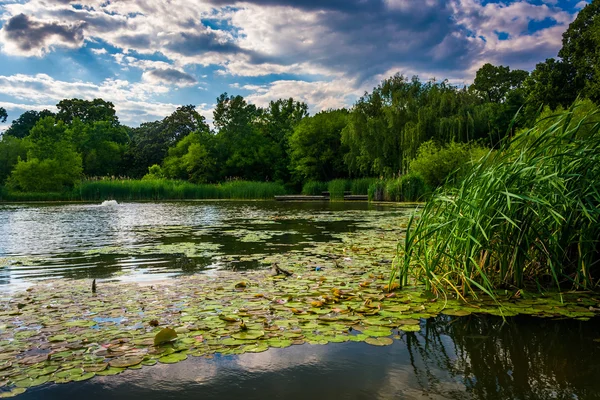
(164, 336)
(379, 341)
(172, 358)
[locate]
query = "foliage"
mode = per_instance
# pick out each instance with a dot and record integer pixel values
(386, 128)
(315, 147)
(361, 186)
(52, 162)
(552, 83)
(337, 187)
(154, 173)
(163, 189)
(191, 160)
(526, 215)
(3, 115)
(11, 149)
(314, 188)
(581, 50)
(21, 126)
(436, 164)
(86, 111)
(494, 83)
(407, 188)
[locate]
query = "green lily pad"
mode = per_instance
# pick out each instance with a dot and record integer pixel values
(127, 361)
(248, 335)
(12, 393)
(164, 336)
(379, 341)
(173, 358)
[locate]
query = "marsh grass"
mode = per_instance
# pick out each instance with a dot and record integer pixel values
(314, 188)
(525, 216)
(153, 189)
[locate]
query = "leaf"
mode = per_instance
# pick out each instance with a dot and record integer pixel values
(12, 393)
(248, 335)
(173, 358)
(127, 361)
(164, 336)
(410, 328)
(381, 341)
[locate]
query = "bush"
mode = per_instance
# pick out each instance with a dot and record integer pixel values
(438, 164)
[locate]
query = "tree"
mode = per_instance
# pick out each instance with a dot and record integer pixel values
(86, 111)
(191, 159)
(21, 126)
(581, 50)
(494, 83)
(152, 140)
(102, 146)
(52, 163)
(3, 115)
(277, 123)
(552, 83)
(241, 149)
(11, 149)
(316, 149)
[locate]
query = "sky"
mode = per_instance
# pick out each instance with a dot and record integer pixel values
(150, 56)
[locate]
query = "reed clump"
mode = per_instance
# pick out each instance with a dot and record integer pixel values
(527, 215)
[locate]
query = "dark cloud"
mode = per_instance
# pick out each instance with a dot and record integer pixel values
(171, 76)
(338, 5)
(28, 34)
(191, 44)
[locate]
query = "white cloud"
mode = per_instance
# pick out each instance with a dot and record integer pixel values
(134, 102)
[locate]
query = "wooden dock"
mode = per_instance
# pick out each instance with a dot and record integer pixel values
(356, 197)
(301, 198)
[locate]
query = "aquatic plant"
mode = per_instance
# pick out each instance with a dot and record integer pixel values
(527, 215)
(337, 187)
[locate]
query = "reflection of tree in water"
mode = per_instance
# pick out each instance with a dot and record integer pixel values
(523, 358)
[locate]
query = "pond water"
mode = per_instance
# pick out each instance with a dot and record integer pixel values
(474, 357)
(150, 241)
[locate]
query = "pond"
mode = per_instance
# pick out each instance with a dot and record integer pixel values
(178, 243)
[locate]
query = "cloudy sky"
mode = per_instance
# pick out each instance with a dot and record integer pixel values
(150, 56)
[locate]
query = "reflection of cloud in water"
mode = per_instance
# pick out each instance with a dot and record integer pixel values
(274, 360)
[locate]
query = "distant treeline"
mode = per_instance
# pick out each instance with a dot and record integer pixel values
(403, 127)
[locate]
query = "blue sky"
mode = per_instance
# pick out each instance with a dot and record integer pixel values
(150, 56)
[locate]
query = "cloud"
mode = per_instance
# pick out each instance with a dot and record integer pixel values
(25, 36)
(134, 102)
(169, 76)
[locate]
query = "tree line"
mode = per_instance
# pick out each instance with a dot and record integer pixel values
(381, 135)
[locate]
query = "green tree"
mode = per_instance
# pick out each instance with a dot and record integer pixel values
(386, 127)
(581, 50)
(151, 141)
(316, 150)
(52, 162)
(494, 83)
(11, 149)
(3, 115)
(86, 111)
(21, 126)
(242, 151)
(191, 159)
(277, 123)
(102, 146)
(553, 84)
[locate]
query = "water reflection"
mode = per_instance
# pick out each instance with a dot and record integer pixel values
(468, 358)
(90, 240)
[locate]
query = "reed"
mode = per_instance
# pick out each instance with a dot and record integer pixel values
(525, 216)
(314, 188)
(337, 187)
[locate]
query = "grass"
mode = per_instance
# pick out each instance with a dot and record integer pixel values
(337, 187)
(153, 189)
(314, 188)
(527, 216)
(408, 188)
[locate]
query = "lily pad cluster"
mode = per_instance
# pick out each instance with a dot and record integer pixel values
(338, 292)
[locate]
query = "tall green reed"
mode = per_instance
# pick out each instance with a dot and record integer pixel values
(527, 215)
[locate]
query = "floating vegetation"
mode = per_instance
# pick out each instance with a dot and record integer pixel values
(333, 292)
